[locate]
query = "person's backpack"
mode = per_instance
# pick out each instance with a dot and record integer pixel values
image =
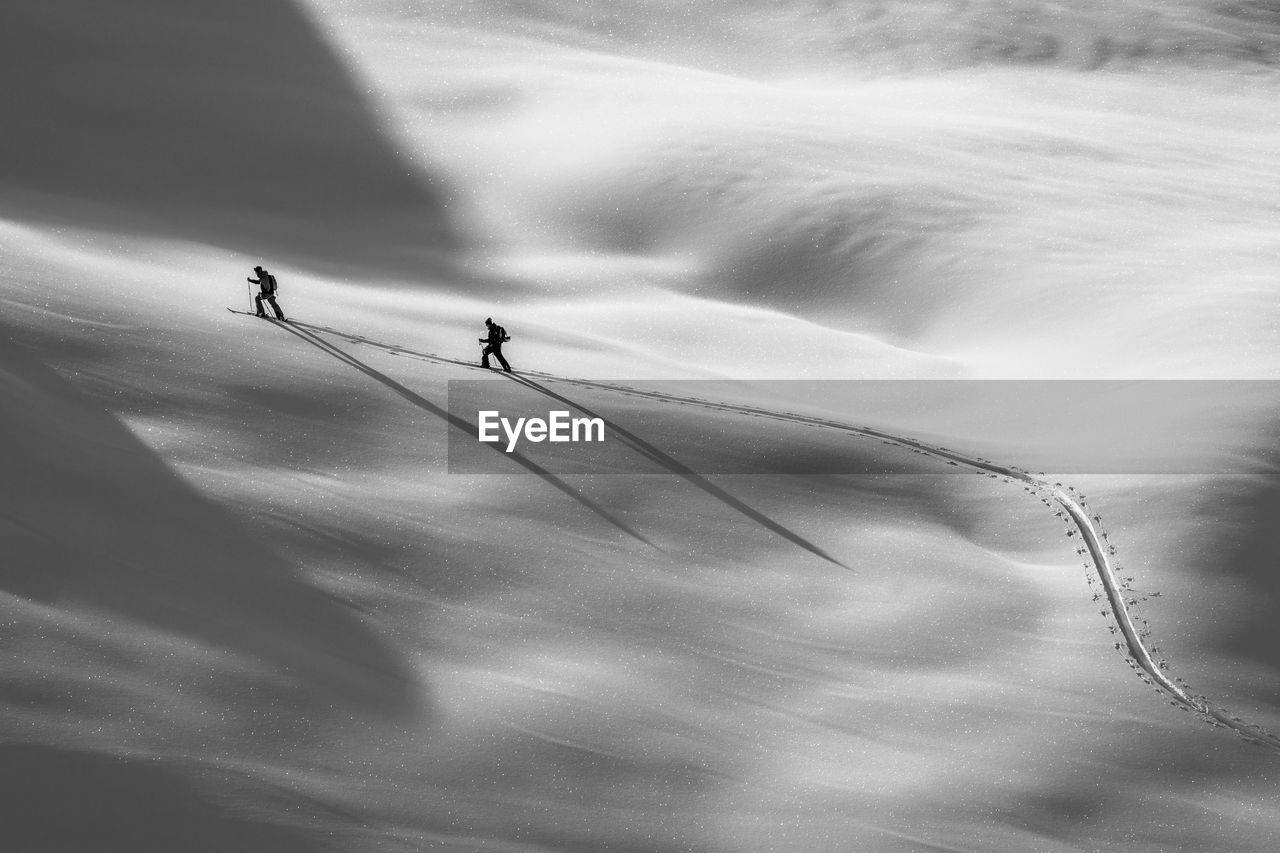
(502, 334)
(269, 285)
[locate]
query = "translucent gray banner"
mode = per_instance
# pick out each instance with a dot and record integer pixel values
(513, 423)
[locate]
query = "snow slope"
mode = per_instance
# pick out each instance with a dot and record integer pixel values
(247, 607)
(333, 643)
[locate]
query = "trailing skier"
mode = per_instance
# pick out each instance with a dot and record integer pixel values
(267, 286)
(497, 337)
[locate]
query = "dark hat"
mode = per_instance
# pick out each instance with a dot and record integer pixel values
(257, 269)
(488, 321)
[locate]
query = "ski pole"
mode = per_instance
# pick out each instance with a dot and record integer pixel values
(250, 286)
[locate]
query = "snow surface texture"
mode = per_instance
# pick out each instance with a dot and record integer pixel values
(246, 608)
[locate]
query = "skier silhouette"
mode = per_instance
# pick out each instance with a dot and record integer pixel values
(497, 337)
(267, 285)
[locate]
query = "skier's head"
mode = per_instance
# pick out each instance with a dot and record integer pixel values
(488, 321)
(257, 269)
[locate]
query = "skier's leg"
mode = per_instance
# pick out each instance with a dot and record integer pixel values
(497, 351)
(484, 356)
(257, 300)
(275, 307)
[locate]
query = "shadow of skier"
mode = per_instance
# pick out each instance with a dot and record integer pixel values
(453, 420)
(679, 468)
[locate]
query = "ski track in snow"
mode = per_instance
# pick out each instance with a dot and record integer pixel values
(1068, 504)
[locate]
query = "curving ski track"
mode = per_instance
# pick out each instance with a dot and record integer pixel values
(1072, 508)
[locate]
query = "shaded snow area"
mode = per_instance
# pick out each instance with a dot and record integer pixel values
(253, 597)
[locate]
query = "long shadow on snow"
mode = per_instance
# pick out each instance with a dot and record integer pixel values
(675, 466)
(635, 442)
(89, 514)
(460, 424)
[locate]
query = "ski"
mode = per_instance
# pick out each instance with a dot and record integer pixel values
(263, 316)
